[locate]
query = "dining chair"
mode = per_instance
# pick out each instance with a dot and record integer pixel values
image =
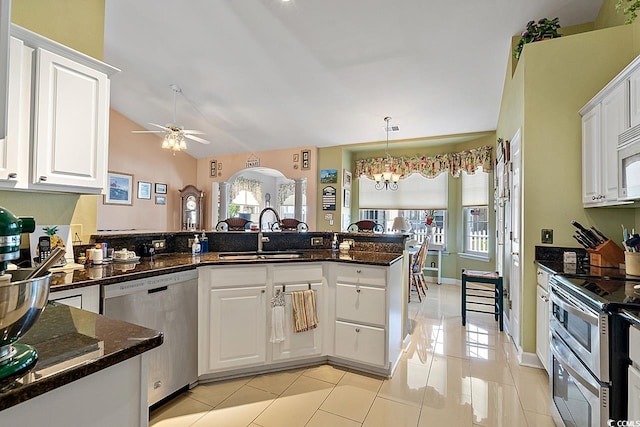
(416, 278)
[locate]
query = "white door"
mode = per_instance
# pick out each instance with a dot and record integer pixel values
(237, 327)
(516, 209)
(299, 344)
(499, 204)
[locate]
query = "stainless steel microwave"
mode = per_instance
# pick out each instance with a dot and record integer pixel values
(629, 164)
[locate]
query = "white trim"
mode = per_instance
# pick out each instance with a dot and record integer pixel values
(443, 280)
(474, 257)
(37, 41)
(529, 359)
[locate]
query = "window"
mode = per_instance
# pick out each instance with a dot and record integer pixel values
(476, 236)
(475, 212)
(417, 218)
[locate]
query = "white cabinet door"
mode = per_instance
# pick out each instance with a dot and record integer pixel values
(634, 98)
(633, 398)
(300, 344)
(70, 124)
(237, 327)
(591, 137)
(614, 122)
(14, 149)
(542, 326)
(360, 343)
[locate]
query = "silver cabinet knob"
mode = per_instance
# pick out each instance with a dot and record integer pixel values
(13, 175)
(358, 271)
(357, 329)
(42, 178)
(262, 291)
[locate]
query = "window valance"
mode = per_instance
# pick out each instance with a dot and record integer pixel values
(430, 166)
(253, 186)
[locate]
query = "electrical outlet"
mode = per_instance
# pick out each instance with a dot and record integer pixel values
(316, 241)
(547, 236)
(159, 244)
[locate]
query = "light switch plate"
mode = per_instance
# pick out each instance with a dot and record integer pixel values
(547, 236)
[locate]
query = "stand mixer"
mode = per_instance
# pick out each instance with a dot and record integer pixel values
(21, 299)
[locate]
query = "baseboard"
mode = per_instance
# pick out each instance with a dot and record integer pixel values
(529, 359)
(406, 342)
(443, 280)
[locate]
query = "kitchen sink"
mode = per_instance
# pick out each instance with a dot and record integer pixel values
(250, 256)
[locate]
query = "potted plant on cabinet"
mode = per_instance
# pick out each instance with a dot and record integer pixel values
(628, 7)
(543, 29)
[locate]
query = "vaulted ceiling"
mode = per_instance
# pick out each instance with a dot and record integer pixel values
(257, 75)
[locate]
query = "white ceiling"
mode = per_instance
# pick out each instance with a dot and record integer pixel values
(264, 74)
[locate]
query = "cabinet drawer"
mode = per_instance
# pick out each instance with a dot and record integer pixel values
(360, 303)
(361, 343)
(543, 278)
(360, 274)
(634, 345)
(297, 274)
(237, 276)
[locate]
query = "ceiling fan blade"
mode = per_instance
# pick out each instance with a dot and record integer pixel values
(159, 126)
(197, 139)
(193, 132)
(147, 131)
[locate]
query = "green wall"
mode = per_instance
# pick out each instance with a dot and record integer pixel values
(78, 24)
(552, 81)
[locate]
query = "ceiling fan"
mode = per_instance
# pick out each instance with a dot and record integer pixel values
(174, 135)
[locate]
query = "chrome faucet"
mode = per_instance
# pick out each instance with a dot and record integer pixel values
(263, 239)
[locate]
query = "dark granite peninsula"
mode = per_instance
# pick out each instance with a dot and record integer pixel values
(89, 368)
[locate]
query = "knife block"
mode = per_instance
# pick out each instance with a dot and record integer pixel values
(607, 254)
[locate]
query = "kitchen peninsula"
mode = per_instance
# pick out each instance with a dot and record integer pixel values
(359, 295)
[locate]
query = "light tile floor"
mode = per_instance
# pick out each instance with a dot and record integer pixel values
(449, 376)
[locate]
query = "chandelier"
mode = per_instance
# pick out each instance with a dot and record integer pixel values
(386, 179)
(174, 139)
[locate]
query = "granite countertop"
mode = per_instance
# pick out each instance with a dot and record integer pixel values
(170, 263)
(583, 270)
(72, 344)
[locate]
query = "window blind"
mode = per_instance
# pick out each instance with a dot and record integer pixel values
(475, 188)
(414, 192)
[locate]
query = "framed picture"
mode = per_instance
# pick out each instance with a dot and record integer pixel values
(214, 169)
(346, 199)
(160, 188)
(346, 179)
(296, 158)
(328, 176)
(120, 189)
(306, 160)
(161, 200)
(144, 190)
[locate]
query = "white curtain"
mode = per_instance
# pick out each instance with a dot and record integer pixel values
(475, 188)
(414, 192)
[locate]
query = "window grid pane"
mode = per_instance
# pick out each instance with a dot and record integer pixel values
(476, 230)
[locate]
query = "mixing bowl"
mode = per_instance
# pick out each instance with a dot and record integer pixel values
(21, 302)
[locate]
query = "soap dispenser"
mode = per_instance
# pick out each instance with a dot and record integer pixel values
(204, 243)
(195, 247)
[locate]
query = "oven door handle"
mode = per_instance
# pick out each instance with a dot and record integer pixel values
(587, 317)
(566, 365)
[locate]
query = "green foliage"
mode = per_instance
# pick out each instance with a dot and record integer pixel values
(628, 7)
(543, 29)
(233, 210)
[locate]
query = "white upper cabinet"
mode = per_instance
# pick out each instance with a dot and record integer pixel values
(58, 121)
(614, 110)
(14, 149)
(70, 123)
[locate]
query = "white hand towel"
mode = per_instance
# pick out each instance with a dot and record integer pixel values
(277, 324)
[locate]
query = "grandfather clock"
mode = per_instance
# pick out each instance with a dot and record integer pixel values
(192, 203)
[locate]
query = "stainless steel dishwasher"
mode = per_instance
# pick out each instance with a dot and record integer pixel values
(166, 303)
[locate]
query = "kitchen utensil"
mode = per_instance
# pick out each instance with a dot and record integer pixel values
(10, 229)
(599, 233)
(22, 300)
(587, 234)
(57, 253)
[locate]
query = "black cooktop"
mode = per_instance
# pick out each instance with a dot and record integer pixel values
(605, 293)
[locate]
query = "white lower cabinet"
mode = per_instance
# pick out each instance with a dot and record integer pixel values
(542, 327)
(86, 298)
(359, 342)
(359, 311)
(237, 326)
(633, 399)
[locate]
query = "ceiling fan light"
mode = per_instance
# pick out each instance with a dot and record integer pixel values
(183, 144)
